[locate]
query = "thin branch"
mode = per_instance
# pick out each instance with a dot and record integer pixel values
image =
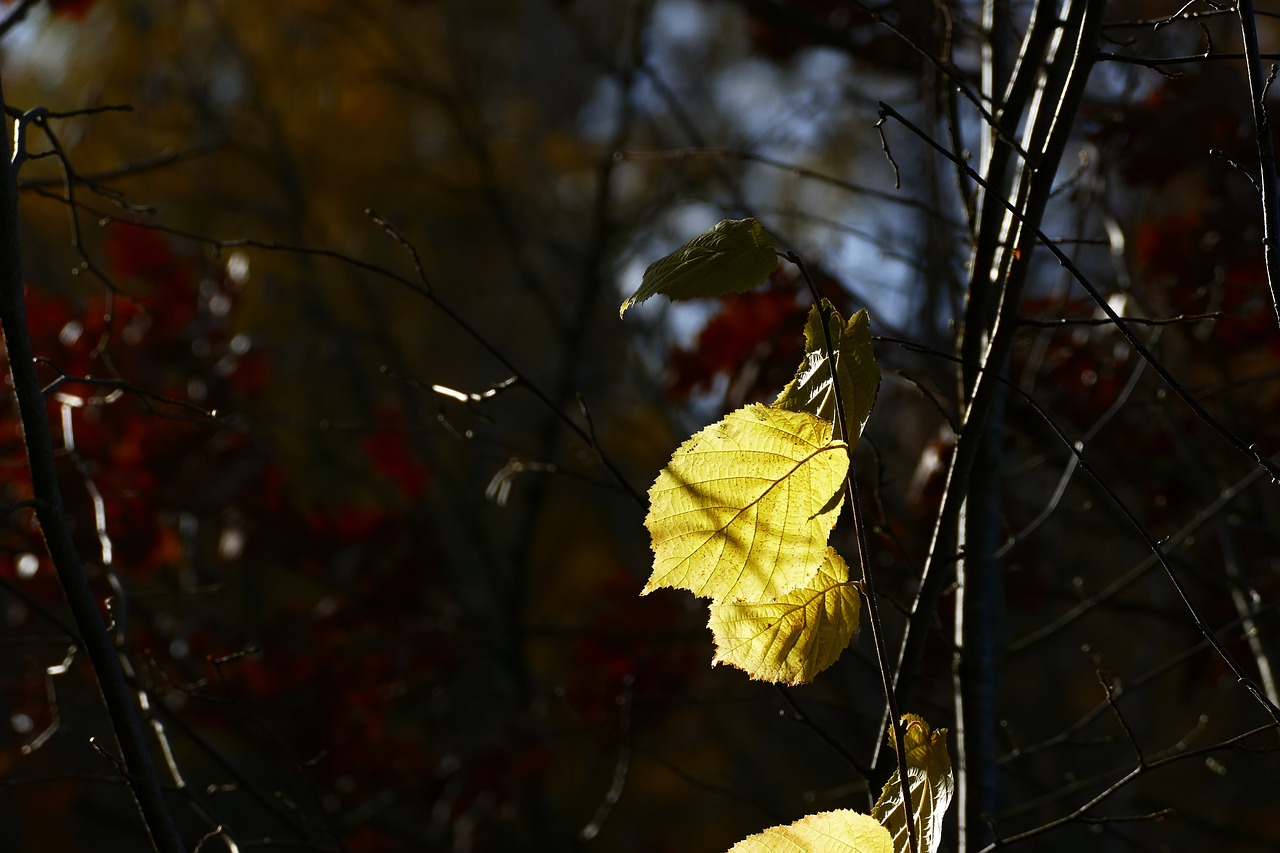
(1157, 549)
(1130, 336)
(1108, 687)
(1049, 128)
(801, 716)
(1270, 189)
(1240, 599)
(1075, 322)
(951, 73)
(1122, 782)
(794, 168)
(425, 290)
(422, 288)
(1171, 542)
(1114, 409)
(124, 170)
(199, 414)
(896, 727)
(1156, 62)
(16, 16)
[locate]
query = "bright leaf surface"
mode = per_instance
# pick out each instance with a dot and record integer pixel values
(812, 390)
(733, 256)
(744, 508)
(931, 784)
(795, 637)
(842, 831)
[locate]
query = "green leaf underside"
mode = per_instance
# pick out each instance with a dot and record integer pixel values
(931, 784)
(841, 831)
(744, 509)
(793, 638)
(734, 256)
(812, 390)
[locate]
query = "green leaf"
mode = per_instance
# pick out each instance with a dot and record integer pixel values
(930, 782)
(812, 390)
(745, 506)
(796, 636)
(735, 255)
(841, 831)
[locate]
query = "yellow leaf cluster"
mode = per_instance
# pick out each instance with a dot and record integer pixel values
(742, 515)
(743, 511)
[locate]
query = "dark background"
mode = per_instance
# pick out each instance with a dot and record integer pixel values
(371, 616)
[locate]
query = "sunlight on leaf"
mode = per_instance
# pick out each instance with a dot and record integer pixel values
(931, 785)
(842, 831)
(793, 638)
(735, 255)
(745, 506)
(811, 390)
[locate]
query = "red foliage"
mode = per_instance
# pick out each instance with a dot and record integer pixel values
(393, 458)
(749, 332)
(1179, 123)
(1079, 363)
(141, 253)
(1207, 267)
(753, 341)
(359, 636)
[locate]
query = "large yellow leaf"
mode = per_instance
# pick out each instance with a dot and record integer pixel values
(744, 508)
(842, 831)
(812, 389)
(931, 785)
(796, 636)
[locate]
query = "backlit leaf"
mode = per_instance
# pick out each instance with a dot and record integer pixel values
(745, 506)
(812, 390)
(733, 256)
(841, 831)
(796, 636)
(931, 785)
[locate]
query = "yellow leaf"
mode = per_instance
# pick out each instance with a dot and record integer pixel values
(744, 508)
(796, 636)
(930, 782)
(812, 390)
(842, 831)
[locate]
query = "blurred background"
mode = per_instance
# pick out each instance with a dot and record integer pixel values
(366, 503)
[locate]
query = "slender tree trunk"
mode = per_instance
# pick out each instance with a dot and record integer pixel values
(122, 702)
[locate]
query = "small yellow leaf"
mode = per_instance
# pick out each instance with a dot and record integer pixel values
(796, 636)
(841, 831)
(812, 390)
(930, 782)
(745, 506)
